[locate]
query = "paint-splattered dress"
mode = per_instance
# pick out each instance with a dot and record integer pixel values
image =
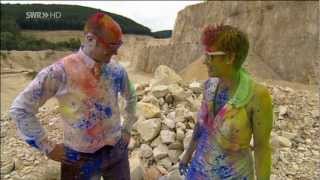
(88, 103)
(223, 150)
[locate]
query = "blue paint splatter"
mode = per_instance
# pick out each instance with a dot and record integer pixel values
(221, 157)
(37, 93)
(116, 74)
(198, 132)
(105, 110)
(32, 143)
(72, 155)
(224, 172)
(83, 124)
(222, 99)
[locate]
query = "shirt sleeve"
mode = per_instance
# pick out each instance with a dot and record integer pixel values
(129, 93)
(23, 110)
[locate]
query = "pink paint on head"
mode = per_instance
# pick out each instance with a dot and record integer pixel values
(209, 36)
(96, 18)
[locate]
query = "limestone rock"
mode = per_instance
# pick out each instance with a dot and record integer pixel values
(165, 162)
(180, 134)
(195, 87)
(132, 143)
(149, 129)
(136, 168)
(170, 123)
(281, 141)
(164, 75)
(174, 155)
(148, 110)
(152, 173)
(160, 91)
(282, 111)
(187, 139)
(177, 145)
(174, 175)
(53, 170)
(315, 113)
(177, 92)
(160, 151)
(7, 165)
(167, 136)
(156, 142)
(150, 99)
(146, 151)
(172, 115)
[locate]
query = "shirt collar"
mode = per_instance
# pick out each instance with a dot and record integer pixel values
(87, 60)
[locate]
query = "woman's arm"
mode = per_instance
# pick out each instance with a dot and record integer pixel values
(262, 125)
(192, 145)
(183, 165)
(202, 114)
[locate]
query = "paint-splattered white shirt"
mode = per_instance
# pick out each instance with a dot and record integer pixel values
(88, 104)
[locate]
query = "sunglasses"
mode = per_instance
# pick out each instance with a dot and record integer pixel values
(209, 55)
(111, 46)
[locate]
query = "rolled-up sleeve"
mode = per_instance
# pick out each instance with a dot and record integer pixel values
(46, 84)
(129, 93)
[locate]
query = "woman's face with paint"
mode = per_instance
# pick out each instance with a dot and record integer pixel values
(218, 63)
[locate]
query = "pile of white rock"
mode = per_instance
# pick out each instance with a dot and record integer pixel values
(167, 116)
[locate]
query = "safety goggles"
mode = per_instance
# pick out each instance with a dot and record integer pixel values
(210, 55)
(111, 46)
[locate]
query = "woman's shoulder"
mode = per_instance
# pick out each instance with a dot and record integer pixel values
(260, 93)
(261, 90)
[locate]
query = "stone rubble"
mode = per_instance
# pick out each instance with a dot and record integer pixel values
(167, 115)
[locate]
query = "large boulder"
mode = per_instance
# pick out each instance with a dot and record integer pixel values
(149, 129)
(159, 91)
(148, 110)
(160, 151)
(164, 75)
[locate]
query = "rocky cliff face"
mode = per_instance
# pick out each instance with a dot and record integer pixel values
(283, 36)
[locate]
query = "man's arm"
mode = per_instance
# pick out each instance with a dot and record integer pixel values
(24, 108)
(128, 91)
(262, 125)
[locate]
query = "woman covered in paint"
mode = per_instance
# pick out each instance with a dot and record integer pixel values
(234, 108)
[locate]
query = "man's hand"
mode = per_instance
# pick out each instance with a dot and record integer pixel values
(57, 154)
(126, 136)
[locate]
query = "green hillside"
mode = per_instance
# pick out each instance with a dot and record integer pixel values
(61, 17)
(43, 17)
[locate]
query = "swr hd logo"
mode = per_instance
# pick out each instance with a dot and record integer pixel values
(43, 15)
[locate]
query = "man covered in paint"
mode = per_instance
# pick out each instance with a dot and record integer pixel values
(86, 85)
(234, 108)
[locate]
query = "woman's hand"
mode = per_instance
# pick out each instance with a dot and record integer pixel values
(184, 164)
(57, 154)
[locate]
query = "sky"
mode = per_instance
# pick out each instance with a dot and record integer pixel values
(156, 15)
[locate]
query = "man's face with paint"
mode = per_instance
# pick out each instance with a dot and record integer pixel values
(105, 49)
